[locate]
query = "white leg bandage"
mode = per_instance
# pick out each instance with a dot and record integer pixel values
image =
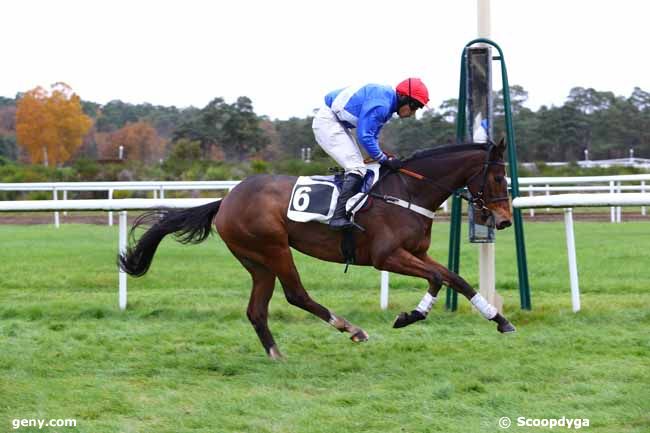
(426, 304)
(488, 311)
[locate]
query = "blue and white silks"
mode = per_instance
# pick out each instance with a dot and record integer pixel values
(366, 108)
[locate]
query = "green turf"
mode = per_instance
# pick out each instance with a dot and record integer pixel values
(183, 357)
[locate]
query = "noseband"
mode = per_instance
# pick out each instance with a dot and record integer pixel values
(477, 201)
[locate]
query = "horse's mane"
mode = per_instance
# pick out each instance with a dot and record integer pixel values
(443, 150)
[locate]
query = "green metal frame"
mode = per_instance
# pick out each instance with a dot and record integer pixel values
(456, 208)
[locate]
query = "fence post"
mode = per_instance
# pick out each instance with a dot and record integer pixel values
(612, 210)
(571, 255)
(55, 196)
(122, 249)
(618, 208)
(643, 190)
(110, 213)
(383, 297)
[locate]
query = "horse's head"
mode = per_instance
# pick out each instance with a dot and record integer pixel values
(489, 189)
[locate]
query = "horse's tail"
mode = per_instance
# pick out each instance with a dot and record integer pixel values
(191, 225)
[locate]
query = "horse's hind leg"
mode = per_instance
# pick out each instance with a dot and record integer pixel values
(258, 305)
(284, 267)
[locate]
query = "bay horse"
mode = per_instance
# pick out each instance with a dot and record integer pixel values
(252, 221)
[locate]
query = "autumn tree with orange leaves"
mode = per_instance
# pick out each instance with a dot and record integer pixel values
(50, 125)
(140, 141)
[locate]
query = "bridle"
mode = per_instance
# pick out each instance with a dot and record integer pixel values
(477, 200)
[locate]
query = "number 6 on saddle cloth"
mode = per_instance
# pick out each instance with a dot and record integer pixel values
(314, 197)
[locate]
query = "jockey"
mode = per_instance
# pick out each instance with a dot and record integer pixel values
(366, 108)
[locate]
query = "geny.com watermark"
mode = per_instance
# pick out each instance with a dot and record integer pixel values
(40, 423)
(564, 422)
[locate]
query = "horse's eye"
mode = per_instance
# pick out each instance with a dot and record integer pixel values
(498, 178)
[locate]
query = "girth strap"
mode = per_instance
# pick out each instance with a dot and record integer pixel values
(405, 204)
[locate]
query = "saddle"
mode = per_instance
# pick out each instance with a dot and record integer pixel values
(314, 198)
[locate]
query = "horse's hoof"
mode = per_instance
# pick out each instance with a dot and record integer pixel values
(359, 336)
(506, 328)
(401, 320)
(405, 319)
(275, 354)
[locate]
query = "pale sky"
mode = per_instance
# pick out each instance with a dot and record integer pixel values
(286, 55)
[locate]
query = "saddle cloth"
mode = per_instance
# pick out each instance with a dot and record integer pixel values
(314, 197)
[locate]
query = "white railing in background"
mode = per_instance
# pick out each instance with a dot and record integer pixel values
(643, 163)
(532, 186)
(121, 205)
(568, 202)
(586, 184)
(157, 187)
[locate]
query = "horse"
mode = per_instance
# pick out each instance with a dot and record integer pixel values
(252, 221)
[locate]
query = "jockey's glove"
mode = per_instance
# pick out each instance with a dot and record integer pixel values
(393, 163)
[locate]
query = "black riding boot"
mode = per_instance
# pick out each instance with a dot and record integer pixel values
(351, 185)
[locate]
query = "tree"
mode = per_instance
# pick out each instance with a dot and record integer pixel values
(50, 125)
(449, 108)
(589, 100)
(8, 147)
(518, 97)
(140, 141)
(295, 134)
(235, 128)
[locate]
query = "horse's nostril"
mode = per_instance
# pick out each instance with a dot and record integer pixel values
(504, 224)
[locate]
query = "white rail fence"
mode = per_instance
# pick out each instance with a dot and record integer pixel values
(158, 188)
(122, 205)
(591, 185)
(533, 186)
(568, 202)
(536, 186)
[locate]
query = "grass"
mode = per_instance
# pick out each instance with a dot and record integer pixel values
(183, 357)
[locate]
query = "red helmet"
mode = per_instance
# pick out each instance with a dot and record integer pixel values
(414, 88)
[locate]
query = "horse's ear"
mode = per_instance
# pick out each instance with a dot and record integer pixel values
(502, 144)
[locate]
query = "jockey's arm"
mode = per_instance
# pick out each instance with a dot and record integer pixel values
(368, 127)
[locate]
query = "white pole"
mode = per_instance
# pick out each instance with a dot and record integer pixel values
(122, 249)
(487, 276)
(530, 194)
(65, 197)
(618, 208)
(110, 214)
(643, 190)
(571, 255)
(383, 297)
(612, 210)
(548, 192)
(55, 196)
(486, 261)
(483, 18)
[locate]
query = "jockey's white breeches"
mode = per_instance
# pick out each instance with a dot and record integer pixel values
(337, 141)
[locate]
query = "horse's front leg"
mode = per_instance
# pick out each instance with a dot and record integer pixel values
(403, 262)
(429, 299)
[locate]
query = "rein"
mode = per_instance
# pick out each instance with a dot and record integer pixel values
(477, 201)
